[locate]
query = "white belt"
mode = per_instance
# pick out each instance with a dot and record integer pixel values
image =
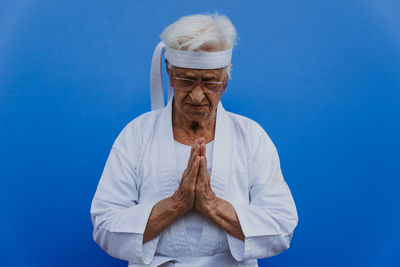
(220, 260)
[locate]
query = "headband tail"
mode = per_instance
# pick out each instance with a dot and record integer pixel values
(156, 86)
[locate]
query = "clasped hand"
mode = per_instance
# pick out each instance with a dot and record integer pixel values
(195, 189)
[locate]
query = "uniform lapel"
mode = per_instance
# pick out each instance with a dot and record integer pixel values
(219, 175)
(164, 139)
(222, 145)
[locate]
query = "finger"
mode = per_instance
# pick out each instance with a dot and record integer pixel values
(190, 174)
(203, 164)
(202, 174)
(202, 168)
(202, 152)
(193, 148)
(197, 141)
(202, 141)
(191, 151)
(193, 157)
(195, 167)
(202, 149)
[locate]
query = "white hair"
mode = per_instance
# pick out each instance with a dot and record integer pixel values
(201, 33)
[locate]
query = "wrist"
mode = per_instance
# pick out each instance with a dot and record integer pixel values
(179, 203)
(213, 211)
(210, 210)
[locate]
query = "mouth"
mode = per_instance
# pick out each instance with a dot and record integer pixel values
(197, 107)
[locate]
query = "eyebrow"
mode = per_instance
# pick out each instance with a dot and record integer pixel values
(187, 74)
(210, 76)
(206, 76)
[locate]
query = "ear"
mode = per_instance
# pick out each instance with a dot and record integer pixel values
(166, 65)
(168, 71)
(225, 85)
(226, 80)
(227, 77)
(230, 70)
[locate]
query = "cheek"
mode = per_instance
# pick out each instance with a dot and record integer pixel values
(179, 99)
(214, 101)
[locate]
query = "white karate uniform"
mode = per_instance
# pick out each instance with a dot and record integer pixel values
(141, 170)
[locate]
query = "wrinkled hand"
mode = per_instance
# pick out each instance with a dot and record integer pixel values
(185, 195)
(206, 201)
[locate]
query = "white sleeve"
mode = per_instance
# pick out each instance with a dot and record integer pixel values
(119, 220)
(270, 218)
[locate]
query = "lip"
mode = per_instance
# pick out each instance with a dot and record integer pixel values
(197, 107)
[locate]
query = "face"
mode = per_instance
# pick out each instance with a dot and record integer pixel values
(197, 105)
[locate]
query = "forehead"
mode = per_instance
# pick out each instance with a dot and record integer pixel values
(198, 72)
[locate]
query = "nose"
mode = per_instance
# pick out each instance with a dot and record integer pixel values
(197, 95)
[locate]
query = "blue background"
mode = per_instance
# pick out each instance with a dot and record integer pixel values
(321, 77)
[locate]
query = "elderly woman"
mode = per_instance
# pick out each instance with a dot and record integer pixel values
(191, 184)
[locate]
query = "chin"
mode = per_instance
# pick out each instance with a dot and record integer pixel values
(196, 115)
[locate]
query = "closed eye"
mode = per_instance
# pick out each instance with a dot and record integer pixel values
(210, 80)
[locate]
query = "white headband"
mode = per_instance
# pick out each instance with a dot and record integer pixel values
(183, 59)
